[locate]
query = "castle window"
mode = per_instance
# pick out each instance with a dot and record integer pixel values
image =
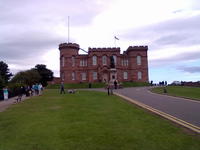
(115, 59)
(125, 75)
(94, 75)
(139, 60)
(139, 75)
(73, 75)
(124, 62)
(83, 62)
(62, 76)
(73, 61)
(94, 60)
(104, 60)
(63, 61)
(83, 76)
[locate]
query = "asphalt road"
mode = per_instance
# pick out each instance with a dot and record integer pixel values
(185, 109)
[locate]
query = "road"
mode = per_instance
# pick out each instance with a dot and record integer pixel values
(184, 109)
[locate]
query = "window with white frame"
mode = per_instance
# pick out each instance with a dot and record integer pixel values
(104, 60)
(125, 75)
(115, 59)
(124, 62)
(139, 62)
(73, 75)
(94, 75)
(83, 76)
(62, 76)
(73, 61)
(63, 61)
(94, 60)
(83, 62)
(139, 75)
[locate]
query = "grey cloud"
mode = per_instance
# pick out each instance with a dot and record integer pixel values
(183, 57)
(194, 69)
(176, 32)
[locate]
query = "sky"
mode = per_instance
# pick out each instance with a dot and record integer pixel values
(30, 32)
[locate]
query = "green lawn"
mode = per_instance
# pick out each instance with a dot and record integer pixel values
(88, 121)
(95, 85)
(180, 91)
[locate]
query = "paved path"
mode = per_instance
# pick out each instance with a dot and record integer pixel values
(5, 104)
(185, 109)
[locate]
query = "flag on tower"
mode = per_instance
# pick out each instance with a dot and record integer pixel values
(116, 38)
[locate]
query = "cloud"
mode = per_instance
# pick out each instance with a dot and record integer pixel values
(194, 69)
(178, 32)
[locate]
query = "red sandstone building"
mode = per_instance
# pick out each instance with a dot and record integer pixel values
(103, 64)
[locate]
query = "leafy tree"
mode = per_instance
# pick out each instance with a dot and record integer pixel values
(46, 74)
(4, 72)
(27, 77)
(2, 82)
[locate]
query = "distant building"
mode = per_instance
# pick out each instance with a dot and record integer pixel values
(102, 64)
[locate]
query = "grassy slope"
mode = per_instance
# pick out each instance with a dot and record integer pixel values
(181, 91)
(87, 120)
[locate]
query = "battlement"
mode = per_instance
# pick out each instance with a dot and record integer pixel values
(137, 48)
(68, 45)
(104, 49)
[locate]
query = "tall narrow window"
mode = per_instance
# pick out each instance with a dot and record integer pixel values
(62, 76)
(94, 60)
(104, 60)
(139, 75)
(94, 75)
(73, 75)
(63, 61)
(73, 61)
(139, 60)
(115, 59)
(83, 76)
(125, 75)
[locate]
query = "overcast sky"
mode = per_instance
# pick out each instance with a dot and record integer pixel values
(31, 30)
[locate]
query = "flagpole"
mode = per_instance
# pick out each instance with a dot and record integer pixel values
(68, 29)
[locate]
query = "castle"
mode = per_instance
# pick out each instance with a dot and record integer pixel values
(102, 64)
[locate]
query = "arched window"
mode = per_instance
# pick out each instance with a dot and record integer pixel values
(94, 60)
(94, 75)
(104, 60)
(62, 76)
(83, 76)
(139, 75)
(115, 59)
(73, 75)
(139, 62)
(125, 75)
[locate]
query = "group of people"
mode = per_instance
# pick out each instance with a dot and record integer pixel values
(35, 89)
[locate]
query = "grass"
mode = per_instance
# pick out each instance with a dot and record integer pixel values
(76, 86)
(87, 121)
(95, 85)
(180, 91)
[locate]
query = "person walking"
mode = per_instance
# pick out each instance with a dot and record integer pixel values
(62, 88)
(5, 93)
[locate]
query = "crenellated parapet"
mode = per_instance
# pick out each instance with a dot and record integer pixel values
(104, 49)
(69, 46)
(137, 48)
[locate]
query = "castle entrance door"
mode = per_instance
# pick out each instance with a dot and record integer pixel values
(105, 77)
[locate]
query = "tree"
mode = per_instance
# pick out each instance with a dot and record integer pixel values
(2, 82)
(4, 72)
(28, 77)
(46, 74)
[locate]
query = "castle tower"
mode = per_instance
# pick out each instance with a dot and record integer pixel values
(138, 63)
(68, 52)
